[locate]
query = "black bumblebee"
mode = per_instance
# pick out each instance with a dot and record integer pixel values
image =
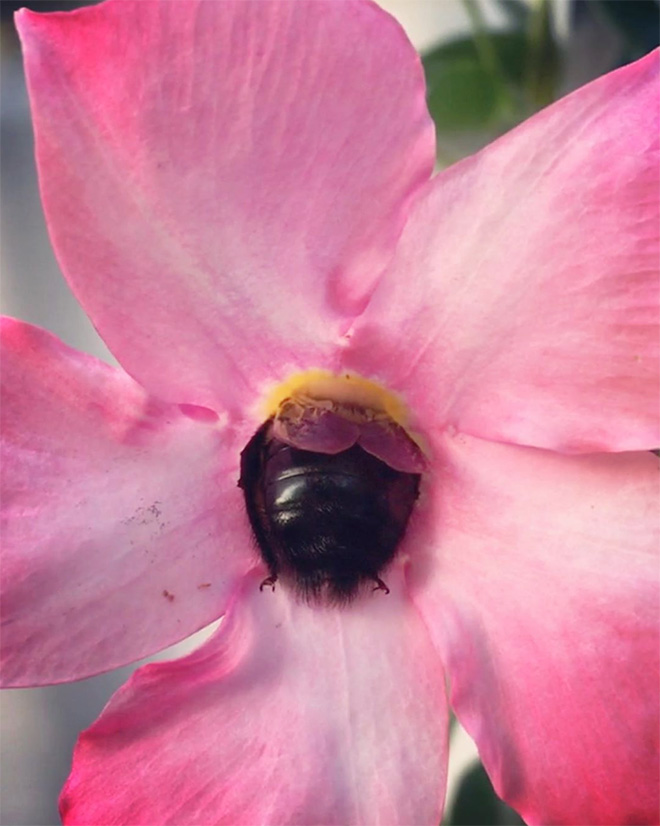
(326, 523)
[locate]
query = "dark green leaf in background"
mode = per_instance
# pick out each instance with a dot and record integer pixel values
(638, 21)
(476, 803)
(466, 100)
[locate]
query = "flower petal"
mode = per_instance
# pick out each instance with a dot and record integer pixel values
(221, 191)
(523, 302)
(123, 529)
(545, 606)
(288, 714)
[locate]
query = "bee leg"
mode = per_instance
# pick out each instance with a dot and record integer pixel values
(269, 581)
(380, 585)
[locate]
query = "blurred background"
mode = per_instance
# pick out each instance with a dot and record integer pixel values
(489, 65)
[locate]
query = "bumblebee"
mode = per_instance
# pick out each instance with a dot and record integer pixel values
(327, 524)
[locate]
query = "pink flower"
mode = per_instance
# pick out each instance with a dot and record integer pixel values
(237, 192)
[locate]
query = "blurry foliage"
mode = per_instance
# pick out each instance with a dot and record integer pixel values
(462, 92)
(481, 85)
(637, 21)
(517, 11)
(477, 804)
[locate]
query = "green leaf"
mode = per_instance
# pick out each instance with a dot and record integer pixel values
(462, 93)
(543, 57)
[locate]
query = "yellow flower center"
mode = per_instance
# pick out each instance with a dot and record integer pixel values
(350, 395)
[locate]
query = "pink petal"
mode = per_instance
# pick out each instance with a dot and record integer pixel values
(544, 603)
(123, 528)
(224, 181)
(523, 302)
(287, 715)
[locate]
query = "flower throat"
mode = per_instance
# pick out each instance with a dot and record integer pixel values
(330, 481)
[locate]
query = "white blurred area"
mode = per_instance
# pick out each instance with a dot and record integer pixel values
(39, 726)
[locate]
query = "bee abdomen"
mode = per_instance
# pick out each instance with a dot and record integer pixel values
(328, 523)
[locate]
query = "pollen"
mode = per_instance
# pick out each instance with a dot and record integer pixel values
(350, 394)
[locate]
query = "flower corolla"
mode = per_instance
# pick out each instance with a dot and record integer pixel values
(241, 192)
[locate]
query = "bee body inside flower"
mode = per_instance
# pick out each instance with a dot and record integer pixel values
(327, 508)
